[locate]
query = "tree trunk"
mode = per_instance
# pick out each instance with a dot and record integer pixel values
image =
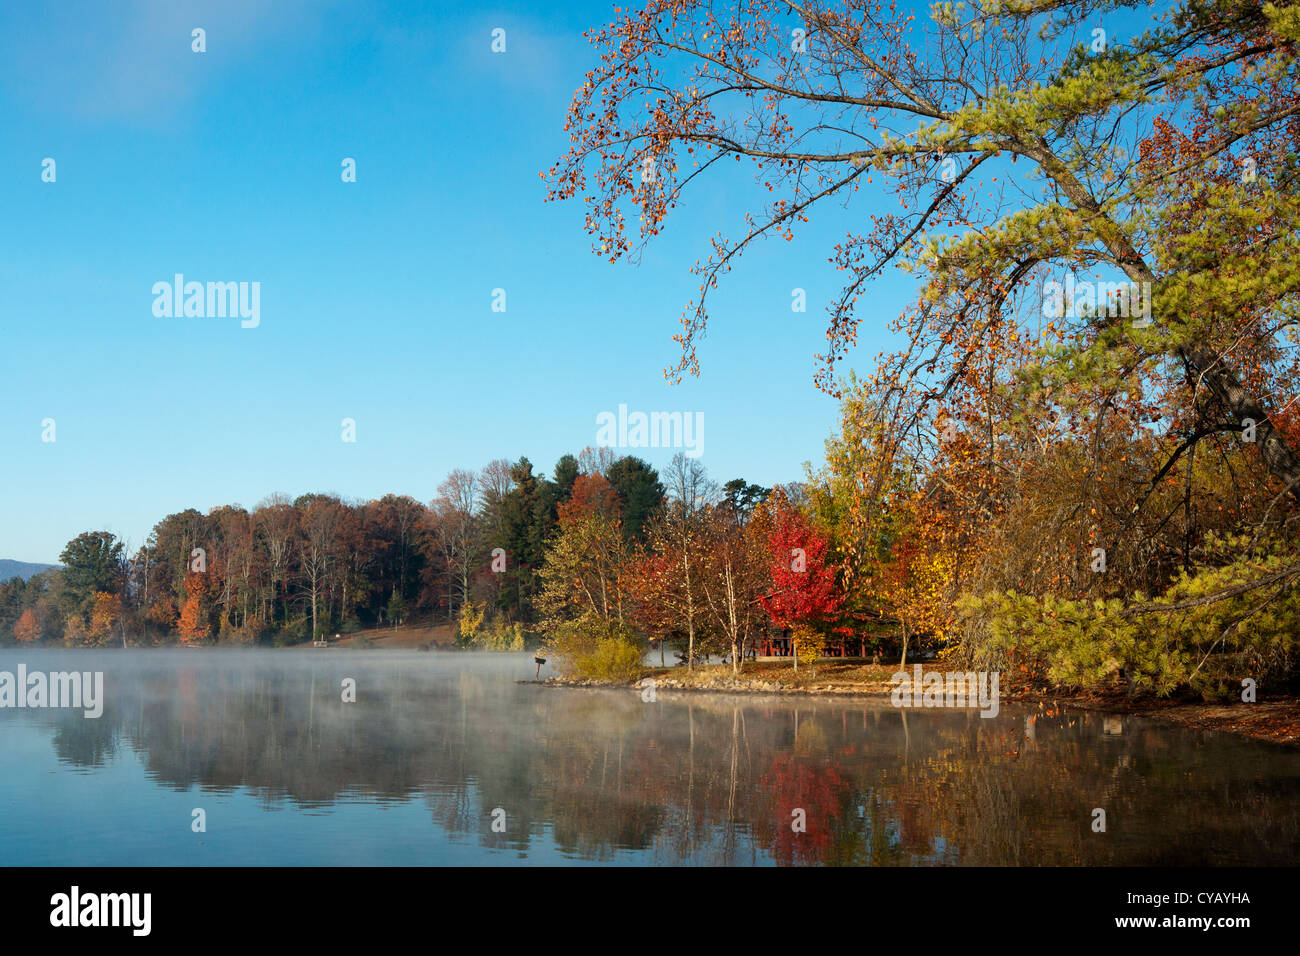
(690, 614)
(1222, 382)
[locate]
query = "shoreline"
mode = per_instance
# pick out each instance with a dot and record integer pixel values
(1271, 720)
(1274, 719)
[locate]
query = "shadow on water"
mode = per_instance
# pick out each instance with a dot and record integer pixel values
(602, 775)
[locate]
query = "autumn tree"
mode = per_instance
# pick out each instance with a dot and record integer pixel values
(454, 533)
(171, 548)
(192, 622)
(680, 537)
(27, 629)
(275, 521)
(321, 523)
(585, 579)
(1025, 142)
(804, 596)
(734, 574)
(398, 523)
(232, 561)
(105, 614)
(584, 573)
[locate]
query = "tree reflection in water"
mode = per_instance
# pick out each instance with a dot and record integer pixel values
(687, 779)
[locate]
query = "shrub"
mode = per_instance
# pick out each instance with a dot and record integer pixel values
(614, 659)
(500, 635)
(597, 650)
(469, 622)
(246, 634)
(296, 631)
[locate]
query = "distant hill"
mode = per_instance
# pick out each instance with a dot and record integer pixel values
(21, 569)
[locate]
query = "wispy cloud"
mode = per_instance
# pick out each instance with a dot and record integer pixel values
(133, 59)
(537, 57)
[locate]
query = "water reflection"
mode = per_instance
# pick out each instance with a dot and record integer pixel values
(600, 775)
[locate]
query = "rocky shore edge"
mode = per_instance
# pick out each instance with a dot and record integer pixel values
(1275, 720)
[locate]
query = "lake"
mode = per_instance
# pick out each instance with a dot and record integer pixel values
(444, 759)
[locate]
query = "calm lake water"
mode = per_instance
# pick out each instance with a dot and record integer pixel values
(412, 772)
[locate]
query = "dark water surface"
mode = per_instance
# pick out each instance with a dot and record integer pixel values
(412, 772)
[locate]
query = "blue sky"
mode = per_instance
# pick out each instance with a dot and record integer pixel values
(375, 296)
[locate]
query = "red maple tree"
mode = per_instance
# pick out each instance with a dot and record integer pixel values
(804, 591)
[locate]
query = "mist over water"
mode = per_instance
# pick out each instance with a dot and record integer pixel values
(289, 774)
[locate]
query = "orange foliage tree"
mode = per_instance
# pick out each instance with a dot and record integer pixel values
(27, 628)
(192, 622)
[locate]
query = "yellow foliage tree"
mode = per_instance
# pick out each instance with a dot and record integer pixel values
(470, 620)
(104, 613)
(74, 631)
(808, 645)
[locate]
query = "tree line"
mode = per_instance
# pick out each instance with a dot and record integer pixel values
(596, 559)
